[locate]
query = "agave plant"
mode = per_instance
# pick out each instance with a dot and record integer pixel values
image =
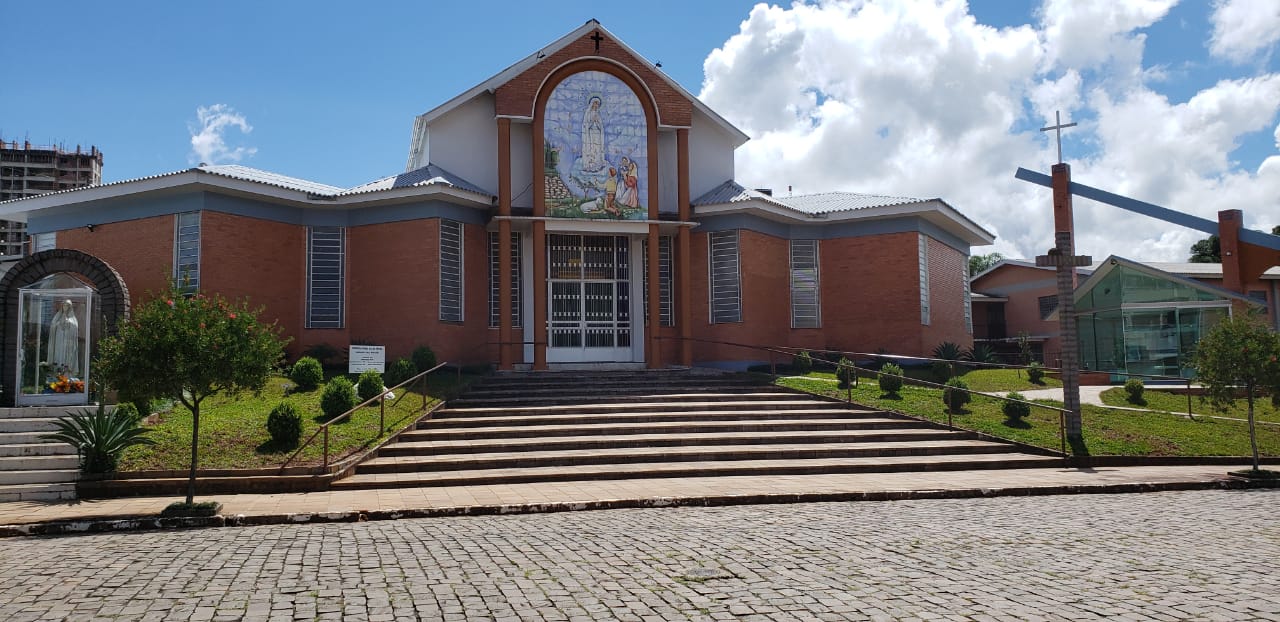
(99, 437)
(982, 353)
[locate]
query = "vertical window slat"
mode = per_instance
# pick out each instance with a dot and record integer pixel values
(516, 264)
(186, 252)
(725, 278)
(450, 271)
(326, 277)
(924, 279)
(806, 307)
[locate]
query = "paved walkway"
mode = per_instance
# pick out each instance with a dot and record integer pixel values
(633, 493)
(1199, 555)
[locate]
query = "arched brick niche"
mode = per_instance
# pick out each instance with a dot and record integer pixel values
(113, 298)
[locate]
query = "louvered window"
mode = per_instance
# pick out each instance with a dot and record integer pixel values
(450, 271)
(806, 309)
(666, 313)
(186, 252)
(326, 272)
(924, 279)
(726, 290)
(968, 298)
(1048, 304)
(494, 279)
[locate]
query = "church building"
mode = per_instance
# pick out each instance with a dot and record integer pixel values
(579, 207)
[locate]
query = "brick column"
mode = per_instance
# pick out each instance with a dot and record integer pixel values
(684, 292)
(504, 244)
(1064, 228)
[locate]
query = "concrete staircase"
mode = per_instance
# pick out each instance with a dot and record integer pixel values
(563, 426)
(33, 469)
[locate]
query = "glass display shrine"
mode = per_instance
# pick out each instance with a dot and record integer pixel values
(55, 324)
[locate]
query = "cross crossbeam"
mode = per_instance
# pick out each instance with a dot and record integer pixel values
(1057, 129)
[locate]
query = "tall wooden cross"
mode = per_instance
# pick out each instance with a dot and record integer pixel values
(1057, 129)
(595, 36)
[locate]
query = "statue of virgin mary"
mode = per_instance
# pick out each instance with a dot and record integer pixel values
(592, 138)
(64, 340)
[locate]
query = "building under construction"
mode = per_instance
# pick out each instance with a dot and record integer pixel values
(27, 170)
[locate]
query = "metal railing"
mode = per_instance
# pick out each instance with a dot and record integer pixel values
(791, 351)
(323, 430)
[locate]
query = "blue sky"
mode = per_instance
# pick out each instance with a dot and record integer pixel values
(330, 91)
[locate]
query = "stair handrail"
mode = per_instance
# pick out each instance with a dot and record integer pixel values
(1062, 412)
(382, 413)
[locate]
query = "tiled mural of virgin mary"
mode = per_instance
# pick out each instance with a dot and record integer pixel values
(596, 148)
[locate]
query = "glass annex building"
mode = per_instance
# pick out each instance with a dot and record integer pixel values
(1139, 320)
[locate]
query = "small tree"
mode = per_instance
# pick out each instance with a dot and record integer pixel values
(423, 358)
(890, 379)
(187, 348)
(307, 373)
(955, 394)
(802, 364)
(339, 396)
(369, 385)
(845, 372)
(1238, 353)
(1134, 388)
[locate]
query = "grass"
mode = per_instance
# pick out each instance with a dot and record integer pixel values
(1106, 432)
(1175, 403)
(233, 429)
(990, 380)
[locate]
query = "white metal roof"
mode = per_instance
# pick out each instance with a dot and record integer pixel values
(425, 176)
(236, 171)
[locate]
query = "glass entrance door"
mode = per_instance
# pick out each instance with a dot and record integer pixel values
(589, 295)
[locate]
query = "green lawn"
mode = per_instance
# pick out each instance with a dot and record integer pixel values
(1170, 402)
(233, 429)
(1106, 432)
(991, 380)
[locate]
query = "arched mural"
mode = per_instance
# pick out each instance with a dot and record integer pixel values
(596, 149)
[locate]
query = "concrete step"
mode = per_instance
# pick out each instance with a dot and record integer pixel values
(452, 419)
(46, 476)
(768, 426)
(705, 439)
(635, 455)
(37, 492)
(654, 406)
(27, 438)
(576, 396)
(48, 448)
(39, 463)
(696, 469)
(592, 393)
(616, 383)
(27, 425)
(39, 412)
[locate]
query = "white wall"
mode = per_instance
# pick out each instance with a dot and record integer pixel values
(668, 172)
(465, 142)
(522, 164)
(710, 155)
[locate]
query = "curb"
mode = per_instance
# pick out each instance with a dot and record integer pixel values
(143, 523)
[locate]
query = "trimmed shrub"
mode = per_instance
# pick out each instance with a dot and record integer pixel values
(845, 372)
(802, 363)
(307, 374)
(890, 378)
(339, 396)
(1015, 411)
(369, 385)
(284, 424)
(953, 396)
(423, 358)
(1134, 388)
(127, 409)
(401, 370)
(1035, 373)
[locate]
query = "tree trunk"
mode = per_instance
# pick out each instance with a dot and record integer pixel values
(195, 448)
(1253, 435)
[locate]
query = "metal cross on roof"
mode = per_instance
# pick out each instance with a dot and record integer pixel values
(595, 36)
(1057, 129)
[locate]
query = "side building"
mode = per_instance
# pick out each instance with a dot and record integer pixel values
(27, 170)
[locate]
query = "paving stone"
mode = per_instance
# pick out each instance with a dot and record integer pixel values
(1126, 557)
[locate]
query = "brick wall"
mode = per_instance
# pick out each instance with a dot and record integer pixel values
(517, 95)
(871, 294)
(948, 269)
(140, 250)
(1024, 286)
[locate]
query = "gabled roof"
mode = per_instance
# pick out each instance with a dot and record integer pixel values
(1113, 262)
(519, 67)
(428, 175)
(731, 196)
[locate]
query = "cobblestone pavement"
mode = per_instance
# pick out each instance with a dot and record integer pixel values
(1212, 555)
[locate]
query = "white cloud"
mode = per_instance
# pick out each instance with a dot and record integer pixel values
(916, 98)
(208, 135)
(1244, 28)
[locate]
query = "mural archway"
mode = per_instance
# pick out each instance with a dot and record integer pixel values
(112, 308)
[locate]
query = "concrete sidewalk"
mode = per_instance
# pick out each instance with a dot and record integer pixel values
(33, 517)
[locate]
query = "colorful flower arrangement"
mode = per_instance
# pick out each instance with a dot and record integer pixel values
(67, 385)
